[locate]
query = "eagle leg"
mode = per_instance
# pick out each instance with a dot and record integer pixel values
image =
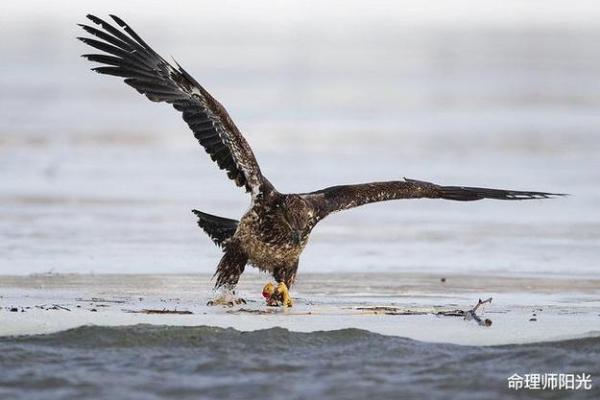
(228, 274)
(286, 274)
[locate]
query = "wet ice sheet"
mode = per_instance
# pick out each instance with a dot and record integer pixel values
(523, 310)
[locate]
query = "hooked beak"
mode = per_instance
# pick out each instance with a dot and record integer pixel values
(296, 237)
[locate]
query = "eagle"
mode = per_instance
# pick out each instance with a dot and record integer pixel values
(272, 234)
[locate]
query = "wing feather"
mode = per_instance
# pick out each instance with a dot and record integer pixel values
(343, 197)
(125, 54)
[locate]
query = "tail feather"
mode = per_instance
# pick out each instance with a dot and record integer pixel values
(218, 228)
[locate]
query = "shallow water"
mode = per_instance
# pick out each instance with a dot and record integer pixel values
(151, 362)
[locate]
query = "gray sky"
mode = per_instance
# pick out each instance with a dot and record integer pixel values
(406, 12)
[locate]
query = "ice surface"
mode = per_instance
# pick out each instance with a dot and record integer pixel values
(562, 309)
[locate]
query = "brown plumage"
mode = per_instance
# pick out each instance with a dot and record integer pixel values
(273, 233)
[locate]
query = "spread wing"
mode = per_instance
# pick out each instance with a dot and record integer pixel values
(126, 55)
(338, 198)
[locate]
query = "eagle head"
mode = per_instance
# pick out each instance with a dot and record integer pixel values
(297, 215)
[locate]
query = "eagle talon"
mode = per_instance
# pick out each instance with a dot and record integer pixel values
(277, 296)
(226, 301)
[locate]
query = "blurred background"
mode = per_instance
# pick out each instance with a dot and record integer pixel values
(96, 179)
